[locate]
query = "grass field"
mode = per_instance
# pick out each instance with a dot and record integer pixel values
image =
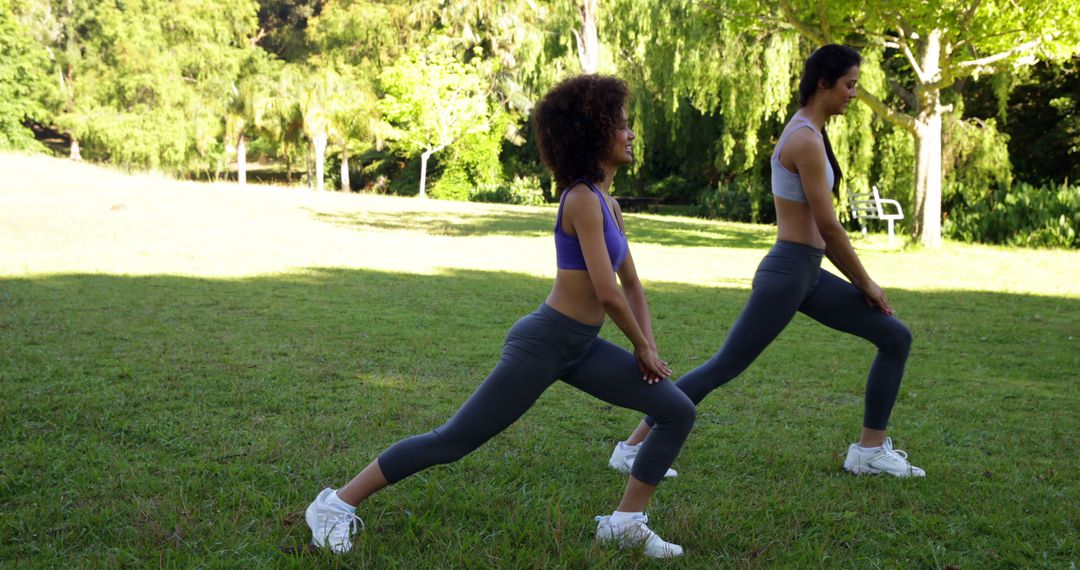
(183, 366)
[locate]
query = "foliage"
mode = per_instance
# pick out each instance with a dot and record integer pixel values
(1040, 112)
(524, 190)
(1024, 215)
(980, 159)
(744, 199)
(147, 84)
(25, 89)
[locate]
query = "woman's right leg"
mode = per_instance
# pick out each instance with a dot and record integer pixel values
(508, 392)
(531, 361)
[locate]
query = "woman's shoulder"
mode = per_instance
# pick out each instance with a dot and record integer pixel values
(580, 198)
(578, 192)
(804, 140)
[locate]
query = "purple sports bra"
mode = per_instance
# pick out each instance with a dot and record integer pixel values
(567, 248)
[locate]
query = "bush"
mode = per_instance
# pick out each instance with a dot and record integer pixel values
(745, 199)
(1026, 215)
(521, 190)
(724, 203)
(673, 189)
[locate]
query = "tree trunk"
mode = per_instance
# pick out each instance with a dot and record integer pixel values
(241, 161)
(588, 42)
(307, 164)
(423, 171)
(928, 147)
(320, 160)
(928, 178)
(345, 186)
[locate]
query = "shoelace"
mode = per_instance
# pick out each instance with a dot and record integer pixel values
(347, 519)
(898, 453)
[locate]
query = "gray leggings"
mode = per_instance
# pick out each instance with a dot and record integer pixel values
(541, 348)
(790, 279)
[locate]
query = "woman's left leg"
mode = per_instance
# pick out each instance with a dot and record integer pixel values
(838, 304)
(612, 374)
(841, 306)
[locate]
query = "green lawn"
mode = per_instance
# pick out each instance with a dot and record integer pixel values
(183, 366)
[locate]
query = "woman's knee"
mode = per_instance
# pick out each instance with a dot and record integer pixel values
(897, 340)
(679, 412)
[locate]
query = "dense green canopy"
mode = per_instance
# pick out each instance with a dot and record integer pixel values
(400, 95)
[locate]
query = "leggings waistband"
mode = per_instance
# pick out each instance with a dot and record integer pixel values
(797, 248)
(567, 322)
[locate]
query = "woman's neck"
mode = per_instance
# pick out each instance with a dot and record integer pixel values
(609, 177)
(814, 113)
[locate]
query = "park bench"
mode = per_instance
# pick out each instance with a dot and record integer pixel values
(638, 203)
(871, 206)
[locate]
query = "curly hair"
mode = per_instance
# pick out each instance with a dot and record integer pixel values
(575, 123)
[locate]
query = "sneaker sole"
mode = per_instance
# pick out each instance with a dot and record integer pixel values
(864, 470)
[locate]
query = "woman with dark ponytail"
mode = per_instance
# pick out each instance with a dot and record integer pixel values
(790, 279)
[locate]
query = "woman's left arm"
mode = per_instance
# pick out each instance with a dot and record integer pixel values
(635, 296)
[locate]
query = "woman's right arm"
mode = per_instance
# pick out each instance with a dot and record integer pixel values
(809, 154)
(582, 210)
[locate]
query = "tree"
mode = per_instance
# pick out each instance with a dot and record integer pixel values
(588, 42)
(146, 83)
(249, 111)
(939, 43)
(319, 92)
(431, 101)
(25, 89)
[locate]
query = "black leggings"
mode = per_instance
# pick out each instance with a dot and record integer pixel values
(541, 348)
(790, 279)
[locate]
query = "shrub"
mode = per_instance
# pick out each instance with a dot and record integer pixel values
(745, 199)
(521, 190)
(1025, 215)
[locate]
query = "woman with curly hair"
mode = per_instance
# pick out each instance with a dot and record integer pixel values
(790, 278)
(583, 136)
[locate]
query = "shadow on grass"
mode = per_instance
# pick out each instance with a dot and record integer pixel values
(641, 229)
(156, 400)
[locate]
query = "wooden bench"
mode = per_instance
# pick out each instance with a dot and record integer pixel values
(871, 206)
(638, 203)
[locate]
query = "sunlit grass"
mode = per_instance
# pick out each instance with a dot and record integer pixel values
(183, 366)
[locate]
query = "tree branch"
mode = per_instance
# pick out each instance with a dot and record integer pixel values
(975, 65)
(907, 122)
(904, 93)
(965, 21)
(909, 55)
(793, 19)
(823, 17)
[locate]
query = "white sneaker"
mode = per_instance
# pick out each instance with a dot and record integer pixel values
(331, 526)
(634, 534)
(884, 460)
(622, 459)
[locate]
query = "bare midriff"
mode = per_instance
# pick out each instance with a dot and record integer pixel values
(795, 223)
(573, 295)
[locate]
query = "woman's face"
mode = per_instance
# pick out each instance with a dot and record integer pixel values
(622, 152)
(842, 92)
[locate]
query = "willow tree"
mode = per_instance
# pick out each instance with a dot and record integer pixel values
(941, 43)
